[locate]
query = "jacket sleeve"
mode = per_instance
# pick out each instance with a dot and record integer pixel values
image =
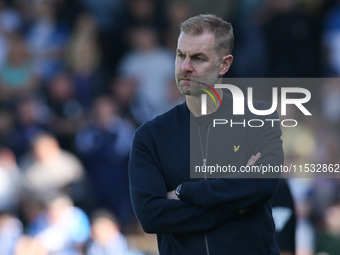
(155, 212)
(241, 193)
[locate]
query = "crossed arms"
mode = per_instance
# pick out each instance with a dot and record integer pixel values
(206, 204)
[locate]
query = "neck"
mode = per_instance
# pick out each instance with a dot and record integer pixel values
(194, 104)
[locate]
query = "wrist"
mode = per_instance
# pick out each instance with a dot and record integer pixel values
(178, 190)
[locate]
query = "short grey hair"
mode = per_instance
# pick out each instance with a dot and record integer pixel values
(222, 30)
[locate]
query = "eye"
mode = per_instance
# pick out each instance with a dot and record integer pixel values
(180, 55)
(199, 59)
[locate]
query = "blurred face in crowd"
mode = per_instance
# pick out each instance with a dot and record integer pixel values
(57, 207)
(144, 39)
(332, 220)
(104, 110)
(124, 90)
(196, 61)
(142, 9)
(177, 12)
(18, 54)
(61, 88)
(281, 6)
(46, 148)
(44, 9)
(104, 230)
(86, 23)
(7, 159)
(27, 111)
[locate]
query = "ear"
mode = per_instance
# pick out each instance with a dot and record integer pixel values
(225, 64)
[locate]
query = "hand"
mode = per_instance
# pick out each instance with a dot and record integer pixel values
(172, 195)
(253, 159)
(251, 162)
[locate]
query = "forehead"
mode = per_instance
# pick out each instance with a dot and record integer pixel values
(196, 43)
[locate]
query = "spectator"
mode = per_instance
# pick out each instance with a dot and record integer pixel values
(106, 236)
(331, 39)
(148, 13)
(330, 100)
(291, 40)
(10, 182)
(124, 92)
(62, 228)
(50, 169)
(104, 147)
(10, 23)
(106, 12)
(65, 109)
(152, 77)
(250, 41)
(328, 241)
(112, 20)
(305, 231)
(84, 56)
(46, 38)
(177, 12)
(30, 120)
(17, 75)
(10, 231)
(29, 246)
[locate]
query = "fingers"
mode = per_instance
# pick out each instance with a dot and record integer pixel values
(257, 156)
(253, 159)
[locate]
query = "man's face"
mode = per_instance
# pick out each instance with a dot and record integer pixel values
(196, 61)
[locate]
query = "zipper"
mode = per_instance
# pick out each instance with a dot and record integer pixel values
(206, 233)
(206, 243)
(205, 157)
(205, 168)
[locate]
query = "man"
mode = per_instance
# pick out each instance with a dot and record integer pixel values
(204, 216)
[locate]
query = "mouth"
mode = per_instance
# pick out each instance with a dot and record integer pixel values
(186, 80)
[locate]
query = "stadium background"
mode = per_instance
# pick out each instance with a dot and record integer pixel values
(77, 77)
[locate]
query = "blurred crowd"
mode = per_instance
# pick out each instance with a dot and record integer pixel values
(77, 77)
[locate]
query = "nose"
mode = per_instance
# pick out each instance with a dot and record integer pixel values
(187, 65)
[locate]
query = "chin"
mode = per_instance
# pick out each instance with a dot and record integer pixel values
(188, 90)
(185, 92)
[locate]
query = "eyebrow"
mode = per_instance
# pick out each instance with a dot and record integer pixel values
(198, 54)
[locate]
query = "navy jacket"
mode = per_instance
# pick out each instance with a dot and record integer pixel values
(207, 219)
